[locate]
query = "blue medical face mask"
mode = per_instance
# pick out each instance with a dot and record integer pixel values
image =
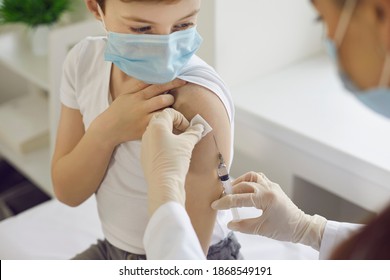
(153, 59)
(377, 99)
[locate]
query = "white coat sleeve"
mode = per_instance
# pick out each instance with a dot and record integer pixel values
(169, 235)
(334, 234)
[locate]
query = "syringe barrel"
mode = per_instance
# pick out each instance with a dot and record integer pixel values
(223, 173)
(227, 185)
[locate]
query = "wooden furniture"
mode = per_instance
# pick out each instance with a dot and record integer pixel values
(44, 76)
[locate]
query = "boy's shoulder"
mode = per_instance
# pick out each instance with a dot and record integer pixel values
(196, 62)
(91, 45)
(198, 68)
(88, 51)
(197, 71)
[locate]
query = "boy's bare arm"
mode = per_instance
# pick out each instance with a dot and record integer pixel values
(80, 159)
(202, 183)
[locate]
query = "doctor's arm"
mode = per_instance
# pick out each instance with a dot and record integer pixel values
(165, 154)
(166, 160)
(281, 218)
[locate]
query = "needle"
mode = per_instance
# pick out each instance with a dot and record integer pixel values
(224, 176)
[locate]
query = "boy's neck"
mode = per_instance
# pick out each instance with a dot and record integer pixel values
(120, 82)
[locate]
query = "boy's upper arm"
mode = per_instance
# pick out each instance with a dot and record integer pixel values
(202, 183)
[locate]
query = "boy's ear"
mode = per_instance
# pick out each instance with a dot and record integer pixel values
(92, 6)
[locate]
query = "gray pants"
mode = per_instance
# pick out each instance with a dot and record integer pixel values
(227, 249)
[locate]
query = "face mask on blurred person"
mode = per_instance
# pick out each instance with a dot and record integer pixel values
(378, 98)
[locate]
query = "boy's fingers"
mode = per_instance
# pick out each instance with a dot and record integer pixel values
(155, 90)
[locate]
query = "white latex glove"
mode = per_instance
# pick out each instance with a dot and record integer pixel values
(281, 218)
(166, 156)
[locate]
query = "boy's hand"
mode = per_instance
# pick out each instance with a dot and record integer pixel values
(128, 116)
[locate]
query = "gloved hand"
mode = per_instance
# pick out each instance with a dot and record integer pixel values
(281, 218)
(166, 157)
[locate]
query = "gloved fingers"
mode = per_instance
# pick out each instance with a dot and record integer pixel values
(261, 193)
(234, 200)
(247, 177)
(248, 226)
(193, 134)
(168, 119)
(244, 187)
(250, 177)
(255, 187)
(265, 178)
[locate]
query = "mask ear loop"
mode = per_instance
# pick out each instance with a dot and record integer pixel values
(345, 18)
(100, 11)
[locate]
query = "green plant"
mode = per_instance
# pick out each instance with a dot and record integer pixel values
(32, 12)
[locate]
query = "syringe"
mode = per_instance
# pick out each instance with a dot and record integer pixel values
(223, 175)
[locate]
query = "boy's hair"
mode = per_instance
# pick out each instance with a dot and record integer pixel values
(101, 2)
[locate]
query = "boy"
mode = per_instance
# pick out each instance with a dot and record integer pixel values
(107, 102)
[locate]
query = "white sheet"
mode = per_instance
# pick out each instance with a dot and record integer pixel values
(55, 231)
(50, 230)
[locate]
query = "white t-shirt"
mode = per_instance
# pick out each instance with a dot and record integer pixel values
(122, 195)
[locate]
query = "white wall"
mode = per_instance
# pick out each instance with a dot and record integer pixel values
(257, 37)
(11, 84)
(249, 38)
(206, 27)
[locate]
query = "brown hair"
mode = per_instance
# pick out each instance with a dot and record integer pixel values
(101, 2)
(371, 243)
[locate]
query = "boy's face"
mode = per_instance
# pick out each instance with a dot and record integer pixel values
(142, 17)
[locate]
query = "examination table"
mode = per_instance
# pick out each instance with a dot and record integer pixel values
(53, 230)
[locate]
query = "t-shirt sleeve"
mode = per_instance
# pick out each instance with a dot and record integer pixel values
(68, 91)
(199, 72)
